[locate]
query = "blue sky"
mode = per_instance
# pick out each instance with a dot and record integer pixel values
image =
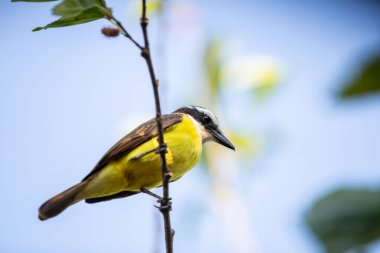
(65, 93)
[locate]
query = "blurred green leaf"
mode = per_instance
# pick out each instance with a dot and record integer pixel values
(154, 7)
(70, 8)
(74, 12)
(368, 81)
(36, 1)
(262, 93)
(246, 144)
(213, 68)
(346, 219)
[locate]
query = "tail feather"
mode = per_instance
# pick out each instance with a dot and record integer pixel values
(60, 202)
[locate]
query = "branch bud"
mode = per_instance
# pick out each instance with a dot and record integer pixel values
(110, 32)
(144, 53)
(144, 21)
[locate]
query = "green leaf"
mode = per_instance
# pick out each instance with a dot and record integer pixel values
(346, 219)
(36, 1)
(153, 6)
(213, 66)
(70, 8)
(75, 12)
(247, 143)
(84, 17)
(368, 81)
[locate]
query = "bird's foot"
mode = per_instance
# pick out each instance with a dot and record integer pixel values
(165, 205)
(162, 148)
(146, 191)
(158, 150)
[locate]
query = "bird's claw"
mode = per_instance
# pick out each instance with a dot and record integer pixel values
(160, 200)
(163, 148)
(164, 206)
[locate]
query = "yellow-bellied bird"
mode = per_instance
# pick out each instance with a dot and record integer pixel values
(130, 166)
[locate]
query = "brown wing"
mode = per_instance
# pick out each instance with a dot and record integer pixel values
(138, 136)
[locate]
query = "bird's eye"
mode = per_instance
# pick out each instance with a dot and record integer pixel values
(206, 119)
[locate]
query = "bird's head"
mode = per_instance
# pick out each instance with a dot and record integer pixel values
(208, 124)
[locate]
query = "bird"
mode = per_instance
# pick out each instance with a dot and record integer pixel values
(133, 164)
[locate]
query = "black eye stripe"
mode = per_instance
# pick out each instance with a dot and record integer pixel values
(200, 116)
(207, 119)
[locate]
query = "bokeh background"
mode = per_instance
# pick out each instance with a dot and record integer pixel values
(293, 82)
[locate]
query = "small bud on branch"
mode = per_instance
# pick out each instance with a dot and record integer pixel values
(110, 32)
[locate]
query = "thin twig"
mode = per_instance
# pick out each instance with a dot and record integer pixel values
(124, 31)
(165, 203)
(165, 207)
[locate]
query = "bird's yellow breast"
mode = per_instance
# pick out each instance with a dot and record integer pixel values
(130, 174)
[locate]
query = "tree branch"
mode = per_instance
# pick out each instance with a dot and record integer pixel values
(165, 206)
(165, 203)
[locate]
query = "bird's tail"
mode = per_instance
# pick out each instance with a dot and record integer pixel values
(60, 202)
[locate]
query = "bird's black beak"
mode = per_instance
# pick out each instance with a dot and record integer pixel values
(221, 139)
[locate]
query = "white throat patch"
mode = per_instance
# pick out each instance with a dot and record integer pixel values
(206, 136)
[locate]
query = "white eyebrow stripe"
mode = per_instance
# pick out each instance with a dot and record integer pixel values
(207, 112)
